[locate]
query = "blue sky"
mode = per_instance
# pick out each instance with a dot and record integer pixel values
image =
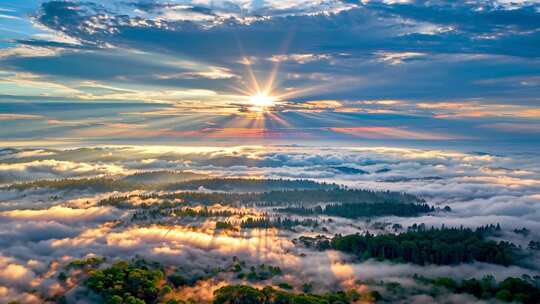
(145, 70)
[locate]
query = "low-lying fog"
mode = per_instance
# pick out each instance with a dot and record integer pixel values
(57, 206)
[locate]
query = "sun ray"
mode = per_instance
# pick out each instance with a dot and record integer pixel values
(277, 118)
(270, 82)
(253, 79)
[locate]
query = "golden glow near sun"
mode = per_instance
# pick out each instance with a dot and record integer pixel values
(262, 100)
(256, 96)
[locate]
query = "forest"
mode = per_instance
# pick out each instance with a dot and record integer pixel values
(243, 294)
(279, 223)
(130, 283)
(139, 281)
(161, 211)
(440, 246)
(271, 198)
(246, 191)
(519, 290)
(137, 182)
(247, 184)
(357, 210)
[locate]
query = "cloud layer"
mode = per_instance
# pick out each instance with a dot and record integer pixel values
(341, 70)
(40, 234)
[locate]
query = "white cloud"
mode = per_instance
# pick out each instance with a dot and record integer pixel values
(300, 58)
(62, 214)
(396, 58)
(50, 169)
(481, 189)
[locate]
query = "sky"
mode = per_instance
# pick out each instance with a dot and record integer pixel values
(439, 99)
(431, 73)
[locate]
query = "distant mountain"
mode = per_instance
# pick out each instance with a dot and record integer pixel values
(349, 170)
(400, 179)
(163, 177)
(248, 185)
(8, 151)
(159, 181)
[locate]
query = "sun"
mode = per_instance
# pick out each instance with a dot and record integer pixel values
(262, 100)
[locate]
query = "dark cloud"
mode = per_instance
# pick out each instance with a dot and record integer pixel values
(423, 51)
(365, 28)
(105, 65)
(467, 16)
(360, 42)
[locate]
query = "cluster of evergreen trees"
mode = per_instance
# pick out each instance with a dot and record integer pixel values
(361, 210)
(248, 184)
(91, 262)
(162, 177)
(97, 184)
(279, 222)
(534, 245)
(242, 294)
(137, 182)
(295, 197)
(444, 246)
(259, 273)
(161, 211)
(273, 198)
(335, 195)
(131, 283)
(225, 226)
(142, 282)
(519, 290)
(261, 192)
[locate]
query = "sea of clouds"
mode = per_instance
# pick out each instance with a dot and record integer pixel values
(41, 230)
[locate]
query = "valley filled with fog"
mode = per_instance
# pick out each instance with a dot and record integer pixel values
(301, 224)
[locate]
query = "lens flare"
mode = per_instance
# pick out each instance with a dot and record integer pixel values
(262, 100)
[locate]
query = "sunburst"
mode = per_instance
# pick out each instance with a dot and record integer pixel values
(262, 101)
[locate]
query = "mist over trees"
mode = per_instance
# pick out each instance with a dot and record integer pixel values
(294, 198)
(520, 290)
(357, 210)
(439, 246)
(140, 281)
(242, 294)
(132, 283)
(228, 207)
(171, 182)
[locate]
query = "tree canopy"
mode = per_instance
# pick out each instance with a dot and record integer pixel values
(444, 246)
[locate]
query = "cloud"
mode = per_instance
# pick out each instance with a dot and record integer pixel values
(9, 17)
(15, 230)
(9, 294)
(28, 51)
(394, 58)
(19, 116)
(461, 75)
(62, 214)
(482, 188)
(344, 270)
(15, 273)
(191, 56)
(514, 127)
(389, 132)
(50, 169)
(474, 16)
(300, 58)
